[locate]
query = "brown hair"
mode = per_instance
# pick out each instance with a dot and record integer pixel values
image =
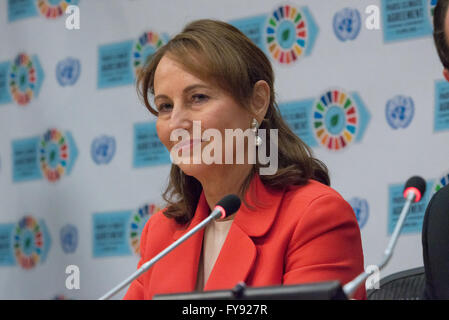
(235, 64)
(439, 36)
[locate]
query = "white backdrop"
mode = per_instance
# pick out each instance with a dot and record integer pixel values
(372, 68)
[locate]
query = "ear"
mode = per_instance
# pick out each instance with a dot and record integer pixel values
(446, 74)
(260, 99)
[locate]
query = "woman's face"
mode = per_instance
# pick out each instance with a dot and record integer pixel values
(181, 98)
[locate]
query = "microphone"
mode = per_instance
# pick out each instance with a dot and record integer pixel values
(414, 189)
(224, 208)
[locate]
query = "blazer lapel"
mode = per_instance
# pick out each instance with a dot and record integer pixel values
(239, 253)
(235, 261)
(177, 271)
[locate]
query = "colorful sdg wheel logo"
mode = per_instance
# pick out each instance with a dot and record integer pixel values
(53, 9)
(28, 242)
(441, 182)
(23, 79)
(335, 119)
(137, 222)
(144, 48)
(286, 34)
(54, 154)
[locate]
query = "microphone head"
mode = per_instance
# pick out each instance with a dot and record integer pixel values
(230, 204)
(417, 185)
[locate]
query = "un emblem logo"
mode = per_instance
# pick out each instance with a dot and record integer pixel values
(347, 23)
(69, 238)
(103, 149)
(68, 71)
(361, 210)
(399, 112)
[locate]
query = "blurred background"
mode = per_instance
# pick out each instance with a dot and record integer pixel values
(81, 167)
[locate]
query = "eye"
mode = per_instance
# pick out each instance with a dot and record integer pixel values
(199, 97)
(164, 107)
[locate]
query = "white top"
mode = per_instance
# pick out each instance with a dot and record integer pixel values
(215, 235)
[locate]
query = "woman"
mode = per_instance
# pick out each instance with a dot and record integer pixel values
(291, 228)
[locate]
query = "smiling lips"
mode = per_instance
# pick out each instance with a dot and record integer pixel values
(187, 144)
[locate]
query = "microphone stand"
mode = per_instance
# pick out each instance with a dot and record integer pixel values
(352, 286)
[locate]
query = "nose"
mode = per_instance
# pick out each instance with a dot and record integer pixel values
(180, 118)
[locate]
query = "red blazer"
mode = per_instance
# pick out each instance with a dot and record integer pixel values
(304, 234)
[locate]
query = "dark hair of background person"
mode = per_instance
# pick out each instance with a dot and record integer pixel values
(439, 36)
(435, 242)
(234, 63)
